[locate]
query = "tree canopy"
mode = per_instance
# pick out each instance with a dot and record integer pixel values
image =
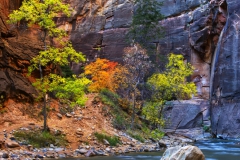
(42, 14)
(169, 85)
(145, 25)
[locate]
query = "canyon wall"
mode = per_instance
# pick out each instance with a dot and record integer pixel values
(226, 76)
(98, 29)
(204, 31)
(17, 48)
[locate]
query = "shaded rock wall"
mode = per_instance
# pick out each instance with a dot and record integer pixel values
(187, 118)
(98, 29)
(226, 80)
(16, 50)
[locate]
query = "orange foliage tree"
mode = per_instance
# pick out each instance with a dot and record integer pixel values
(102, 75)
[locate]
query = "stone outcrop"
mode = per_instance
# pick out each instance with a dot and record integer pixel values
(187, 118)
(16, 50)
(183, 153)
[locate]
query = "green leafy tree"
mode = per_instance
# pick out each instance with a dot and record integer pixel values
(145, 25)
(42, 14)
(169, 85)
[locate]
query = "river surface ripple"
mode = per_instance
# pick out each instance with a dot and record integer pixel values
(213, 149)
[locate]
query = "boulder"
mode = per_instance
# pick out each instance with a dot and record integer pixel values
(2, 144)
(90, 153)
(79, 131)
(183, 153)
(81, 151)
(11, 144)
(186, 117)
(68, 115)
(105, 142)
(59, 115)
(5, 155)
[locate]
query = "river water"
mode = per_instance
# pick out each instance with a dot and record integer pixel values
(212, 149)
(220, 149)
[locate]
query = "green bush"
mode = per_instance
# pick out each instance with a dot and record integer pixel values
(109, 98)
(40, 139)
(138, 135)
(120, 118)
(66, 71)
(113, 140)
(119, 122)
(206, 128)
(157, 134)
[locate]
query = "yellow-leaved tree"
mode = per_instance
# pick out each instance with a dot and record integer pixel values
(169, 85)
(42, 14)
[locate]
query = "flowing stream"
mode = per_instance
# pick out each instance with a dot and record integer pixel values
(220, 149)
(213, 149)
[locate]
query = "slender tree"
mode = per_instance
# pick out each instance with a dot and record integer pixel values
(132, 74)
(42, 14)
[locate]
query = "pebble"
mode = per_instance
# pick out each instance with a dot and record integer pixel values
(129, 145)
(59, 115)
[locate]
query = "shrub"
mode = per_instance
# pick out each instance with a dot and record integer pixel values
(40, 139)
(120, 122)
(109, 98)
(157, 134)
(137, 135)
(113, 140)
(206, 128)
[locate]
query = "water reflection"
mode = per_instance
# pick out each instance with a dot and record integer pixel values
(130, 156)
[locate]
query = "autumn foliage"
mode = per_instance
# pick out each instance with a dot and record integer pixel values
(102, 75)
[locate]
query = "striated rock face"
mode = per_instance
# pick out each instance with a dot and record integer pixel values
(15, 53)
(226, 71)
(187, 118)
(98, 29)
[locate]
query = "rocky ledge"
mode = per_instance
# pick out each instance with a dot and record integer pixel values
(11, 148)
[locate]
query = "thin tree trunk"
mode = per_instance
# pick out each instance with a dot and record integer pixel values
(45, 113)
(44, 94)
(134, 106)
